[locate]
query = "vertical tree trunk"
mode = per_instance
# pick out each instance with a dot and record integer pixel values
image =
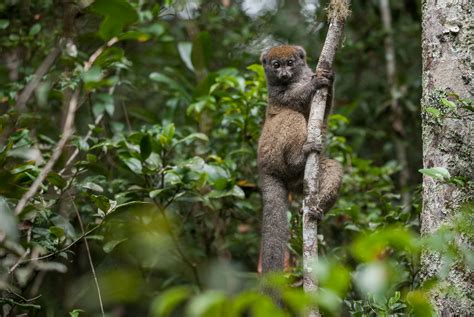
(338, 11)
(447, 140)
(395, 106)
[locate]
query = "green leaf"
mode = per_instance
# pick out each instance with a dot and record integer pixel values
(93, 187)
(433, 111)
(133, 164)
(440, 173)
(4, 24)
(203, 303)
(145, 147)
(56, 180)
(164, 304)
(448, 103)
(93, 75)
(75, 313)
(157, 192)
(58, 232)
(109, 246)
(35, 29)
(117, 14)
(195, 136)
(101, 202)
(185, 49)
(161, 78)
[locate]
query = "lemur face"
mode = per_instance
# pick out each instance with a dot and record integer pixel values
(283, 63)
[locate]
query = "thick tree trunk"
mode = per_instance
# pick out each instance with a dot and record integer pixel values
(447, 140)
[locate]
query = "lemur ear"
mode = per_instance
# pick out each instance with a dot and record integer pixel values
(263, 57)
(301, 52)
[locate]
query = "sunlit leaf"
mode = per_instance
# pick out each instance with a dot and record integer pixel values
(165, 303)
(440, 173)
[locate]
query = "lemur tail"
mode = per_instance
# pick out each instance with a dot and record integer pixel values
(275, 231)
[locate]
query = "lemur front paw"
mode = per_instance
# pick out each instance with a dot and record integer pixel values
(324, 77)
(312, 147)
(315, 213)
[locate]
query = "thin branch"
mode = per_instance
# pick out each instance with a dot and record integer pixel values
(37, 77)
(175, 240)
(88, 135)
(43, 257)
(89, 256)
(67, 132)
(338, 11)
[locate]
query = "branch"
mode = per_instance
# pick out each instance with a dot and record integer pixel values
(37, 77)
(338, 11)
(67, 132)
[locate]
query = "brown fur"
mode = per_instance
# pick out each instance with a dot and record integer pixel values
(282, 148)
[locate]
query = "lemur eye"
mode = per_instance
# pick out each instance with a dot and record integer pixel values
(276, 64)
(290, 62)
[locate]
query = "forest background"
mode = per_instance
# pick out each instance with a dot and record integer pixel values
(153, 208)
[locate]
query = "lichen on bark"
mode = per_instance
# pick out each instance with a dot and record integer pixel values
(447, 40)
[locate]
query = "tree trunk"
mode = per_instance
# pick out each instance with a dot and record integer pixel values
(447, 139)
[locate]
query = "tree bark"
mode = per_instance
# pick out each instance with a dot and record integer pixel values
(447, 140)
(338, 11)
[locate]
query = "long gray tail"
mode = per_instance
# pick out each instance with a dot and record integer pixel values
(275, 230)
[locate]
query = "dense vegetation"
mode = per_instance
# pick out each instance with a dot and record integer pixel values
(157, 187)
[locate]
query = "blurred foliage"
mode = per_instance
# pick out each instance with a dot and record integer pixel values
(165, 180)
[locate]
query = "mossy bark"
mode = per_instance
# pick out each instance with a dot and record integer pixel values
(447, 40)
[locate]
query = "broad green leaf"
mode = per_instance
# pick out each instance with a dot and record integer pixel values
(101, 202)
(58, 232)
(133, 164)
(75, 313)
(110, 245)
(157, 192)
(93, 75)
(4, 24)
(145, 146)
(35, 29)
(184, 49)
(433, 111)
(56, 180)
(440, 173)
(420, 304)
(93, 187)
(165, 303)
(448, 103)
(117, 14)
(203, 303)
(195, 136)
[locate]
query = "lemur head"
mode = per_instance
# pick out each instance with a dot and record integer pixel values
(283, 64)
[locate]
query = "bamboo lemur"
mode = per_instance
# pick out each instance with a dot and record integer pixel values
(282, 148)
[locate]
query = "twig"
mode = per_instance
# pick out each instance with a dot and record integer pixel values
(67, 132)
(338, 11)
(88, 135)
(43, 257)
(89, 256)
